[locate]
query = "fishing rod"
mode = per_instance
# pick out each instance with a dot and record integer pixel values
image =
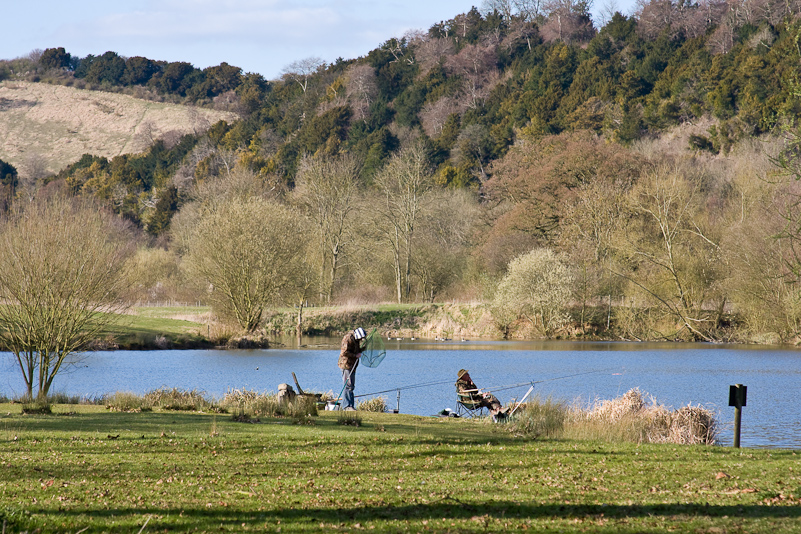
(503, 388)
(413, 386)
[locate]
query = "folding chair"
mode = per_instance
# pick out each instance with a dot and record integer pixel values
(469, 405)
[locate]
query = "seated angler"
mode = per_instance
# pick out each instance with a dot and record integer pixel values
(466, 386)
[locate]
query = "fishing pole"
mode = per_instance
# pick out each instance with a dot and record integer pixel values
(413, 386)
(504, 388)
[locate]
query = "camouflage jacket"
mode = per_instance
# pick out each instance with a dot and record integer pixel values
(350, 353)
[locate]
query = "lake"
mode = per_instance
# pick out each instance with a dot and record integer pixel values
(424, 372)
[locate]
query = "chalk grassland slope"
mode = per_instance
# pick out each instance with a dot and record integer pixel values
(60, 124)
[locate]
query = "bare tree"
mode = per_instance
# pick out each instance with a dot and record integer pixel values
(31, 173)
(404, 185)
(568, 21)
(209, 195)
(524, 10)
(477, 65)
(505, 7)
(146, 134)
(608, 10)
(302, 70)
(361, 89)
(434, 114)
(428, 50)
(444, 237)
(673, 252)
(327, 189)
(61, 280)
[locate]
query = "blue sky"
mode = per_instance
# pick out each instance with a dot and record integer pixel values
(257, 35)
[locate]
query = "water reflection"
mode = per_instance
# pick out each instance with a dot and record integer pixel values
(674, 374)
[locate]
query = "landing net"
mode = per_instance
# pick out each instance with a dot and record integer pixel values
(373, 352)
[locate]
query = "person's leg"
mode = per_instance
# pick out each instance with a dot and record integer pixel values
(349, 379)
(493, 404)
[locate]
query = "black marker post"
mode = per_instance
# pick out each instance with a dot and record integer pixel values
(737, 394)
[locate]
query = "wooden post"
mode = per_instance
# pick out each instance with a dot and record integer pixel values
(737, 398)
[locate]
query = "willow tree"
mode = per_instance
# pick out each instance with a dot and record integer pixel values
(250, 253)
(670, 244)
(61, 277)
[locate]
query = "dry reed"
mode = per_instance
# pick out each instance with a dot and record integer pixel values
(631, 418)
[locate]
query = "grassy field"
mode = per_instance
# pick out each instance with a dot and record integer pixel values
(88, 470)
(161, 327)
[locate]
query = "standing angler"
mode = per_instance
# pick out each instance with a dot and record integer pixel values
(349, 361)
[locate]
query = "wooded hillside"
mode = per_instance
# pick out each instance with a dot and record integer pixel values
(561, 173)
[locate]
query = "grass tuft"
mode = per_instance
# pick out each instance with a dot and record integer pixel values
(248, 404)
(540, 419)
(349, 419)
(180, 400)
(125, 401)
(376, 404)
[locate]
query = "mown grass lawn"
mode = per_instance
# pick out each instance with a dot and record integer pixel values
(98, 471)
(149, 327)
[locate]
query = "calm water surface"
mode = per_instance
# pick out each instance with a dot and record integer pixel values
(674, 374)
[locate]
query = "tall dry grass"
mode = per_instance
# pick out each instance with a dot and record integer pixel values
(540, 418)
(248, 404)
(126, 401)
(629, 418)
(180, 400)
(375, 404)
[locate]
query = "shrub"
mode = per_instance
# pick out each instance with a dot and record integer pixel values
(376, 404)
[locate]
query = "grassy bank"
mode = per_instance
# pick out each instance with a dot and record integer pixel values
(178, 327)
(89, 470)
